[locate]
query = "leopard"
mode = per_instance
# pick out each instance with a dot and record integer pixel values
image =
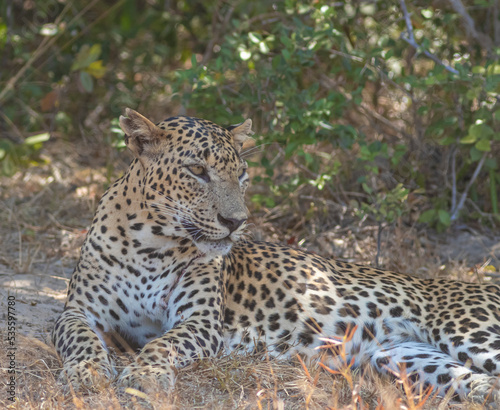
(167, 270)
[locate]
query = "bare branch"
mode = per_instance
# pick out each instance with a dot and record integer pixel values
(410, 39)
(454, 212)
(379, 244)
(217, 29)
(374, 114)
(454, 178)
(409, 26)
(47, 42)
(363, 108)
(20, 138)
(496, 25)
(482, 39)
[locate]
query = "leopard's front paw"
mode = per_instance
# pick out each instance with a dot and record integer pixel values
(88, 375)
(148, 377)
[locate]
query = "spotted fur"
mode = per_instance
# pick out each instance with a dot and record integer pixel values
(163, 269)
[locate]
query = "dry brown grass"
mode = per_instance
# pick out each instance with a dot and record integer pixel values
(230, 382)
(44, 213)
(249, 381)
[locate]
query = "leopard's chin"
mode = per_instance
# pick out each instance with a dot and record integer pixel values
(211, 249)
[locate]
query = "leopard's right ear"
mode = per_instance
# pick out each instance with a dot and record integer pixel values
(241, 133)
(139, 131)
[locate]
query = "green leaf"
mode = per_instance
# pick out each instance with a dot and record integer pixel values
(49, 30)
(444, 217)
(96, 69)
(263, 199)
(430, 81)
(483, 145)
(286, 41)
(244, 53)
(255, 38)
(473, 92)
(427, 216)
(87, 82)
(5, 147)
(427, 13)
(447, 141)
(468, 139)
(35, 139)
(491, 163)
(263, 47)
(494, 69)
(366, 188)
(86, 56)
(423, 110)
(475, 154)
(481, 130)
(478, 131)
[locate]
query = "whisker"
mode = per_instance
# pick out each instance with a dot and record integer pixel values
(253, 150)
(182, 217)
(178, 204)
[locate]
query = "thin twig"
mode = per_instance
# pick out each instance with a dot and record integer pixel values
(410, 39)
(454, 178)
(265, 18)
(217, 29)
(454, 212)
(490, 217)
(496, 26)
(428, 54)
(409, 26)
(374, 114)
(16, 130)
(46, 43)
(482, 39)
(82, 32)
(346, 55)
(363, 108)
(379, 244)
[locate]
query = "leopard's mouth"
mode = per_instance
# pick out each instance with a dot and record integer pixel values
(206, 244)
(209, 248)
(195, 232)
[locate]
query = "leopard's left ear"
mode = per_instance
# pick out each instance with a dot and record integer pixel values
(241, 133)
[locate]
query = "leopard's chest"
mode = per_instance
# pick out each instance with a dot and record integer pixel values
(131, 297)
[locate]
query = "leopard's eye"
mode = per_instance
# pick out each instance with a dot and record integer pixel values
(200, 171)
(242, 173)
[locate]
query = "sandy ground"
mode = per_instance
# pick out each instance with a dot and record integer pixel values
(39, 299)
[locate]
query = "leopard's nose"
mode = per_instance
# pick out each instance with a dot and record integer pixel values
(230, 223)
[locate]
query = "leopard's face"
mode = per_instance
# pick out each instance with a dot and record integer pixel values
(194, 180)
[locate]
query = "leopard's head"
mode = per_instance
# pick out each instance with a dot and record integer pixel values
(192, 178)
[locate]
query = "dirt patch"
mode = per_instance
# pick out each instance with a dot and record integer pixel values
(471, 247)
(39, 300)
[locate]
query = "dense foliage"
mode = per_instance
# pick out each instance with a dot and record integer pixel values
(384, 106)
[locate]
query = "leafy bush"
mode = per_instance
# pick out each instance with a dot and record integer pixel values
(372, 98)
